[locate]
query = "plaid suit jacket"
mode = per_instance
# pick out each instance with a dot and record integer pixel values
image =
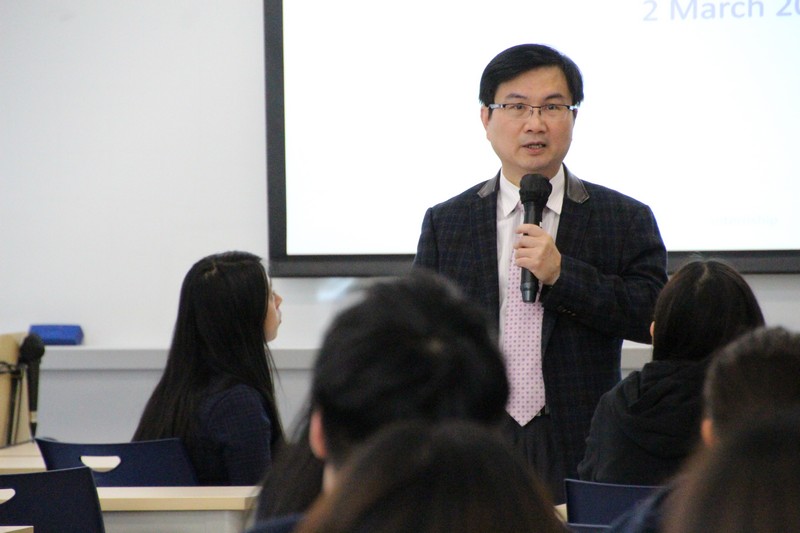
(613, 265)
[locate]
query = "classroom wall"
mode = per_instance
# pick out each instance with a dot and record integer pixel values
(132, 143)
(132, 136)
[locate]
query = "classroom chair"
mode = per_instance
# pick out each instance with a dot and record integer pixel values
(58, 501)
(590, 502)
(151, 463)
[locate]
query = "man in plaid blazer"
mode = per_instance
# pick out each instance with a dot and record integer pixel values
(600, 275)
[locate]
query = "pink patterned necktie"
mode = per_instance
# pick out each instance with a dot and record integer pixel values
(522, 346)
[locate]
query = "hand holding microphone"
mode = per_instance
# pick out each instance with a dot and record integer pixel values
(534, 190)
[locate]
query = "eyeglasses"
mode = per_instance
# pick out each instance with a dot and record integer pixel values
(525, 111)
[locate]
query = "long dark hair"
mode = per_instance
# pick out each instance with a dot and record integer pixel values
(294, 479)
(219, 337)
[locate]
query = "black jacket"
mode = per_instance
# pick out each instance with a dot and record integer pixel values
(645, 426)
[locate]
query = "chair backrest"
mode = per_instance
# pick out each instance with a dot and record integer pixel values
(58, 501)
(147, 463)
(590, 502)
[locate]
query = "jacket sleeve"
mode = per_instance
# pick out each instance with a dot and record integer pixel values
(427, 250)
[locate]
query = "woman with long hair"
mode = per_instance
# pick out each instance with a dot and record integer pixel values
(217, 392)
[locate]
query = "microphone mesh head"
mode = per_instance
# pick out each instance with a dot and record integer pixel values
(31, 349)
(534, 188)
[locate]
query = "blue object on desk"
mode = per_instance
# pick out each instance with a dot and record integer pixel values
(61, 334)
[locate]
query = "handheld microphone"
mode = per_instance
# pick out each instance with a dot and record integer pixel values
(534, 190)
(30, 354)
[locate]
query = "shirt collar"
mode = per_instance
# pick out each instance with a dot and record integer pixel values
(509, 194)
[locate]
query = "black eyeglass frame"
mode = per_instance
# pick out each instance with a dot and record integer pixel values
(533, 108)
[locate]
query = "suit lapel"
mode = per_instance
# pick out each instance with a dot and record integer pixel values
(572, 227)
(571, 230)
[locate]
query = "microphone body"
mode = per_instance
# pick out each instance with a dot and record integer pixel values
(30, 354)
(534, 190)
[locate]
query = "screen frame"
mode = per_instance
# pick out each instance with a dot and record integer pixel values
(282, 264)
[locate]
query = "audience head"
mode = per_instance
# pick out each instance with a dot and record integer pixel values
(753, 377)
(703, 306)
(747, 483)
(522, 58)
(412, 348)
(432, 477)
(226, 314)
(225, 302)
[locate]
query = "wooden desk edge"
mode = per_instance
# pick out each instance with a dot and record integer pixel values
(25, 449)
(21, 465)
(177, 498)
(561, 511)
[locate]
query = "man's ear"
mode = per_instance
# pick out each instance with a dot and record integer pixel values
(485, 116)
(316, 435)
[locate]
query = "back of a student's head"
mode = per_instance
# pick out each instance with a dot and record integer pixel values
(412, 348)
(747, 483)
(703, 306)
(755, 376)
(430, 477)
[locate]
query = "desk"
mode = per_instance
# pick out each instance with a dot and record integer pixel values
(21, 465)
(21, 459)
(176, 509)
(25, 449)
(16, 529)
(148, 509)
